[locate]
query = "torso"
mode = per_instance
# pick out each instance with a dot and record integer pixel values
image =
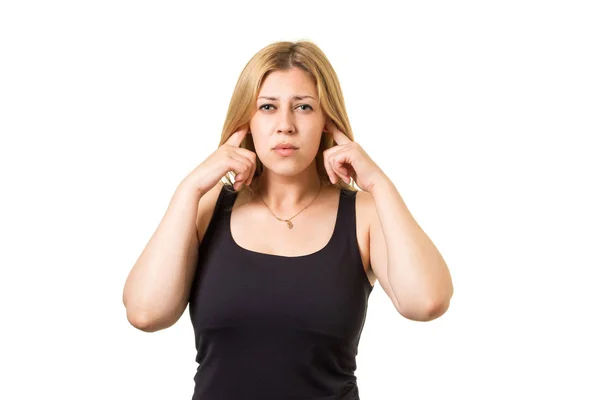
(312, 230)
(298, 321)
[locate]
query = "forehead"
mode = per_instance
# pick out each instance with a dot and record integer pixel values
(290, 82)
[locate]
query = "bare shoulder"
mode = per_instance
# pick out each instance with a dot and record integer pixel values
(206, 208)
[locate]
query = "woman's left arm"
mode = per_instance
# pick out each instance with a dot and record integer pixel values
(415, 270)
(402, 256)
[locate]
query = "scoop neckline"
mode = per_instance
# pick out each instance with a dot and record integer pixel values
(282, 257)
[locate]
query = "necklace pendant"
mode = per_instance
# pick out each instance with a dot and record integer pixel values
(289, 223)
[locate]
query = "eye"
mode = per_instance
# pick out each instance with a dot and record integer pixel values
(271, 105)
(265, 105)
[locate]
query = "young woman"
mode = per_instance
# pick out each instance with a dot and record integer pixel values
(274, 248)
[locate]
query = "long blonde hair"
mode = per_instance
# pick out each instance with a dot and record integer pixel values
(284, 56)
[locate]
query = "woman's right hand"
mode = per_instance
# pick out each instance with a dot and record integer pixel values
(228, 157)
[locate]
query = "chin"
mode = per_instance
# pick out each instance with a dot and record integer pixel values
(284, 170)
(285, 167)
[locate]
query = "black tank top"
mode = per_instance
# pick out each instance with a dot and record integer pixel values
(271, 327)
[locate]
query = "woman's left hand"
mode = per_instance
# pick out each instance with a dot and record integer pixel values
(349, 159)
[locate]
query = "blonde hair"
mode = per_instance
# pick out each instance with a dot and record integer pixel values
(286, 55)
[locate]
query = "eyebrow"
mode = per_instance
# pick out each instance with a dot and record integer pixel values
(296, 97)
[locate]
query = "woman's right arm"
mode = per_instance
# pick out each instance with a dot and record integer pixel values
(158, 286)
(157, 289)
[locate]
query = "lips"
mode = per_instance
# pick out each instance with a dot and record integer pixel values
(285, 146)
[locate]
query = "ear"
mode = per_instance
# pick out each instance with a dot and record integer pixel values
(327, 120)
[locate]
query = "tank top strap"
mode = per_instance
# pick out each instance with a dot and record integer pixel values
(223, 204)
(346, 223)
(226, 199)
(344, 233)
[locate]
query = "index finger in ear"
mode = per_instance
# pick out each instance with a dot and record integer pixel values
(338, 135)
(237, 137)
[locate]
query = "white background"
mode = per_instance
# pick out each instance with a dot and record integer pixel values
(485, 115)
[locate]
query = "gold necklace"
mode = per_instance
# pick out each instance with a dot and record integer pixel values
(289, 220)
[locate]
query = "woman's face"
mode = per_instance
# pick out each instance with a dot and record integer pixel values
(287, 112)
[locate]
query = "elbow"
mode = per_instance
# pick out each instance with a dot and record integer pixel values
(142, 321)
(437, 309)
(152, 322)
(428, 311)
(439, 305)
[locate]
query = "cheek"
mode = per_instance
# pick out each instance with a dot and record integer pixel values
(317, 140)
(254, 124)
(257, 120)
(261, 145)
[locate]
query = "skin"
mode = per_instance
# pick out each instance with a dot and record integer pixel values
(411, 271)
(288, 183)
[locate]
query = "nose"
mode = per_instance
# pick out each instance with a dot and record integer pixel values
(285, 124)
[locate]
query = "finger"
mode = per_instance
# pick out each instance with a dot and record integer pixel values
(237, 137)
(240, 166)
(338, 157)
(336, 172)
(338, 136)
(337, 165)
(246, 165)
(250, 155)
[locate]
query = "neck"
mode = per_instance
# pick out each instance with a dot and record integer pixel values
(285, 194)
